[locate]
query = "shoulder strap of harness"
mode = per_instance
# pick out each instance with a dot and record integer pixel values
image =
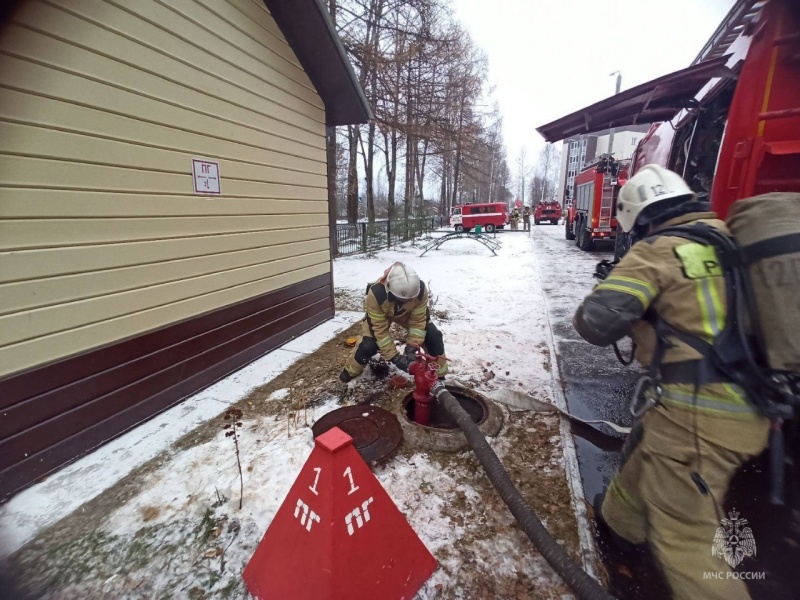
(379, 291)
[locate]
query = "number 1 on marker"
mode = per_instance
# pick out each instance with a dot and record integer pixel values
(348, 472)
(313, 488)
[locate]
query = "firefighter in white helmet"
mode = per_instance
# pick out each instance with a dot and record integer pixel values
(397, 297)
(695, 428)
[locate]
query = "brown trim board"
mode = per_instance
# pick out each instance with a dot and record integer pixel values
(53, 414)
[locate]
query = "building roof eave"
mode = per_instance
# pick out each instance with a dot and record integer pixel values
(657, 100)
(308, 29)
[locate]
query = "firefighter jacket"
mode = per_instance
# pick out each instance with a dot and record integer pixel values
(383, 310)
(682, 282)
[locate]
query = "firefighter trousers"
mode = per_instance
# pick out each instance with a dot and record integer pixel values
(367, 347)
(653, 499)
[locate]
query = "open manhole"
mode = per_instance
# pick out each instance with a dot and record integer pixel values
(442, 434)
(376, 432)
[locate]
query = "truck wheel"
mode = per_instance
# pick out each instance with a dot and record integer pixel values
(489, 228)
(585, 241)
(568, 232)
(621, 243)
(554, 221)
(536, 221)
(459, 228)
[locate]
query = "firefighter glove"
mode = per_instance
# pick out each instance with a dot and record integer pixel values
(402, 362)
(603, 268)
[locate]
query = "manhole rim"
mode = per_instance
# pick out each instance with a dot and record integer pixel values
(431, 439)
(474, 396)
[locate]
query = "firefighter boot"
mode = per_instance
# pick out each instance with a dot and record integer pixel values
(619, 542)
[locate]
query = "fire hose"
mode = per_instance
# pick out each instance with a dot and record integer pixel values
(576, 578)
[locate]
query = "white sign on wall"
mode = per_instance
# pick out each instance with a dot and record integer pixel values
(206, 176)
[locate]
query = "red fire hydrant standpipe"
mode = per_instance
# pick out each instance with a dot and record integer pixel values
(424, 370)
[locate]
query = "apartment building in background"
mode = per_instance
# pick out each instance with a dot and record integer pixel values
(582, 149)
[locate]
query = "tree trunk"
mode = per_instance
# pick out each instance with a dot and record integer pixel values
(370, 73)
(390, 143)
(409, 191)
(352, 175)
(330, 152)
(419, 163)
(454, 183)
(443, 208)
(368, 172)
(457, 162)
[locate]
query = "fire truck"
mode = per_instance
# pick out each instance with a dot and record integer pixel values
(592, 215)
(730, 122)
(489, 215)
(547, 211)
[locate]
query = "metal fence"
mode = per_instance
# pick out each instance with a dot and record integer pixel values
(371, 237)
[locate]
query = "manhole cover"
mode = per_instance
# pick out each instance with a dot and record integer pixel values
(376, 432)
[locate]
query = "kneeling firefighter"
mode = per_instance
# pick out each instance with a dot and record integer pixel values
(695, 426)
(397, 297)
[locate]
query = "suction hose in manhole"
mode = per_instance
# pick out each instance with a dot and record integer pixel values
(442, 434)
(576, 578)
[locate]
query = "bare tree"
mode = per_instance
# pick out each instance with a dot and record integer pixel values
(545, 179)
(522, 172)
(426, 82)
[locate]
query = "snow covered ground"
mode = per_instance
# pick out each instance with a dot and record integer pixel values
(493, 312)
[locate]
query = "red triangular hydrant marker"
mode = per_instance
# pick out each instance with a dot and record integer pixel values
(338, 535)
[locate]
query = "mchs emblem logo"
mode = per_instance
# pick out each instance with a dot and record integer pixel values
(733, 540)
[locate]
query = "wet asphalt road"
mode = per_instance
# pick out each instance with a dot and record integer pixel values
(597, 386)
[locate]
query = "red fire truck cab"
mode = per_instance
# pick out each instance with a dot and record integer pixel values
(592, 216)
(742, 138)
(547, 211)
(729, 123)
(490, 216)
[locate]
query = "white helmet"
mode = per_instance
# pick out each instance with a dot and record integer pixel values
(402, 282)
(650, 185)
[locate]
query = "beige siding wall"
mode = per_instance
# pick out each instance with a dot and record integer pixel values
(103, 104)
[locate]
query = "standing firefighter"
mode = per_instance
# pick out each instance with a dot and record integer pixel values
(526, 218)
(700, 427)
(397, 297)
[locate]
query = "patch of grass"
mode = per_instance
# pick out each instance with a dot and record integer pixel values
(205, 528)
(347, 300)
(440, 314)
(234, 589)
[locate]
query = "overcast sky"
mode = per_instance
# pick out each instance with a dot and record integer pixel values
(550, 58)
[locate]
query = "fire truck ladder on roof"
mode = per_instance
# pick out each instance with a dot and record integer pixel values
(730, 28)
(491, 244)
(606, 203)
